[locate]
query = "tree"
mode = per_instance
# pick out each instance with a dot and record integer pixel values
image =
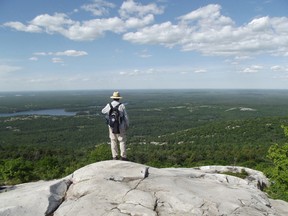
(16, 171)
(100, 153)
(278, 173)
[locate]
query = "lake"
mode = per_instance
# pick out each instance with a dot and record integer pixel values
(51, 112)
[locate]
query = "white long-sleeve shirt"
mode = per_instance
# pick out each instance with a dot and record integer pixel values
(122, 110)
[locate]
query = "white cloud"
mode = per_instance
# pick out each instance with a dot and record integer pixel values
(134, 22)
(134, 72)
(252, 69)
(99, 7)
(279, 68)
(162, 71)
(204, 30)
(8, 68)
(130, 8)
(208, 16)
(74, 30)
(73, 53)
(92, 29)
(144, 54)
(25, 28)
(52, 24)
(242, 57)
(57, 60)
(60, 23)
(200, 71)
(195, 31)
(40, 53)
(165, 34)
(33, 58)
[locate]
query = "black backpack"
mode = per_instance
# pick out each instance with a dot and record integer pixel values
(114, 120)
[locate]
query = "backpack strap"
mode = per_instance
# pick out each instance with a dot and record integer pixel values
(117, 107)
(111, 107)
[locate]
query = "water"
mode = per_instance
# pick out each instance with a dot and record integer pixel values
(50, 112)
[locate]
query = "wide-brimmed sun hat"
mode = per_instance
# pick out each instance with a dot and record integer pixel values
(116, 95)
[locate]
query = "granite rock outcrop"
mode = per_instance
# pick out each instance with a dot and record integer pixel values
(124, 188)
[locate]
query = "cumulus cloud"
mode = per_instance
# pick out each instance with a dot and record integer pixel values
(98, 7)
(207, 16)
(74, 30)
(134, 22)
(130, 8)
(132, 15)
(25, 28)
(44, 23)
(205, 30)
(165, 34)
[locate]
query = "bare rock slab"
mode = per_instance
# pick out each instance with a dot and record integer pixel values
(121, 188)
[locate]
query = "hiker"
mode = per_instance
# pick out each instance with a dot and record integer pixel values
(117, 127)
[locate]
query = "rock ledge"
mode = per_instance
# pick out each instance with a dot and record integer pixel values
(125, 188)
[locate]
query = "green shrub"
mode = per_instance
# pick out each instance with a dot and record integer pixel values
(16, 171)
(278, 174)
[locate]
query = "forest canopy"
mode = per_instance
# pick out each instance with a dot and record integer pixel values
(175, 128)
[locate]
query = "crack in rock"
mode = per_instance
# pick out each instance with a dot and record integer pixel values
(138, 180)
(134, 188)
(6, 188)
(227, 179)
(145, 173)
(156, 205)
(57, 196)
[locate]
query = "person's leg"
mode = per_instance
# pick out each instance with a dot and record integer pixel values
(114, 147)
(123, 149)
(122, 143)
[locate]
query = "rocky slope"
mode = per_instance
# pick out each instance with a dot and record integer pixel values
(126, 188)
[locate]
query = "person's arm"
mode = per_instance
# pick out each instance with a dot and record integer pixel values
(106, 109)
(125, 116)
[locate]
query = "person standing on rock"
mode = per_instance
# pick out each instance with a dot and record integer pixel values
(118, 123)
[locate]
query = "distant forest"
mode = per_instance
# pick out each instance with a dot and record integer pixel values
(169, 128)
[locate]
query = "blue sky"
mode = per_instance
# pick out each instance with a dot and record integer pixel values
(102, 44)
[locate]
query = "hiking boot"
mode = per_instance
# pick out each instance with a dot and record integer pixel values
(115, 158)
(123, 159)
